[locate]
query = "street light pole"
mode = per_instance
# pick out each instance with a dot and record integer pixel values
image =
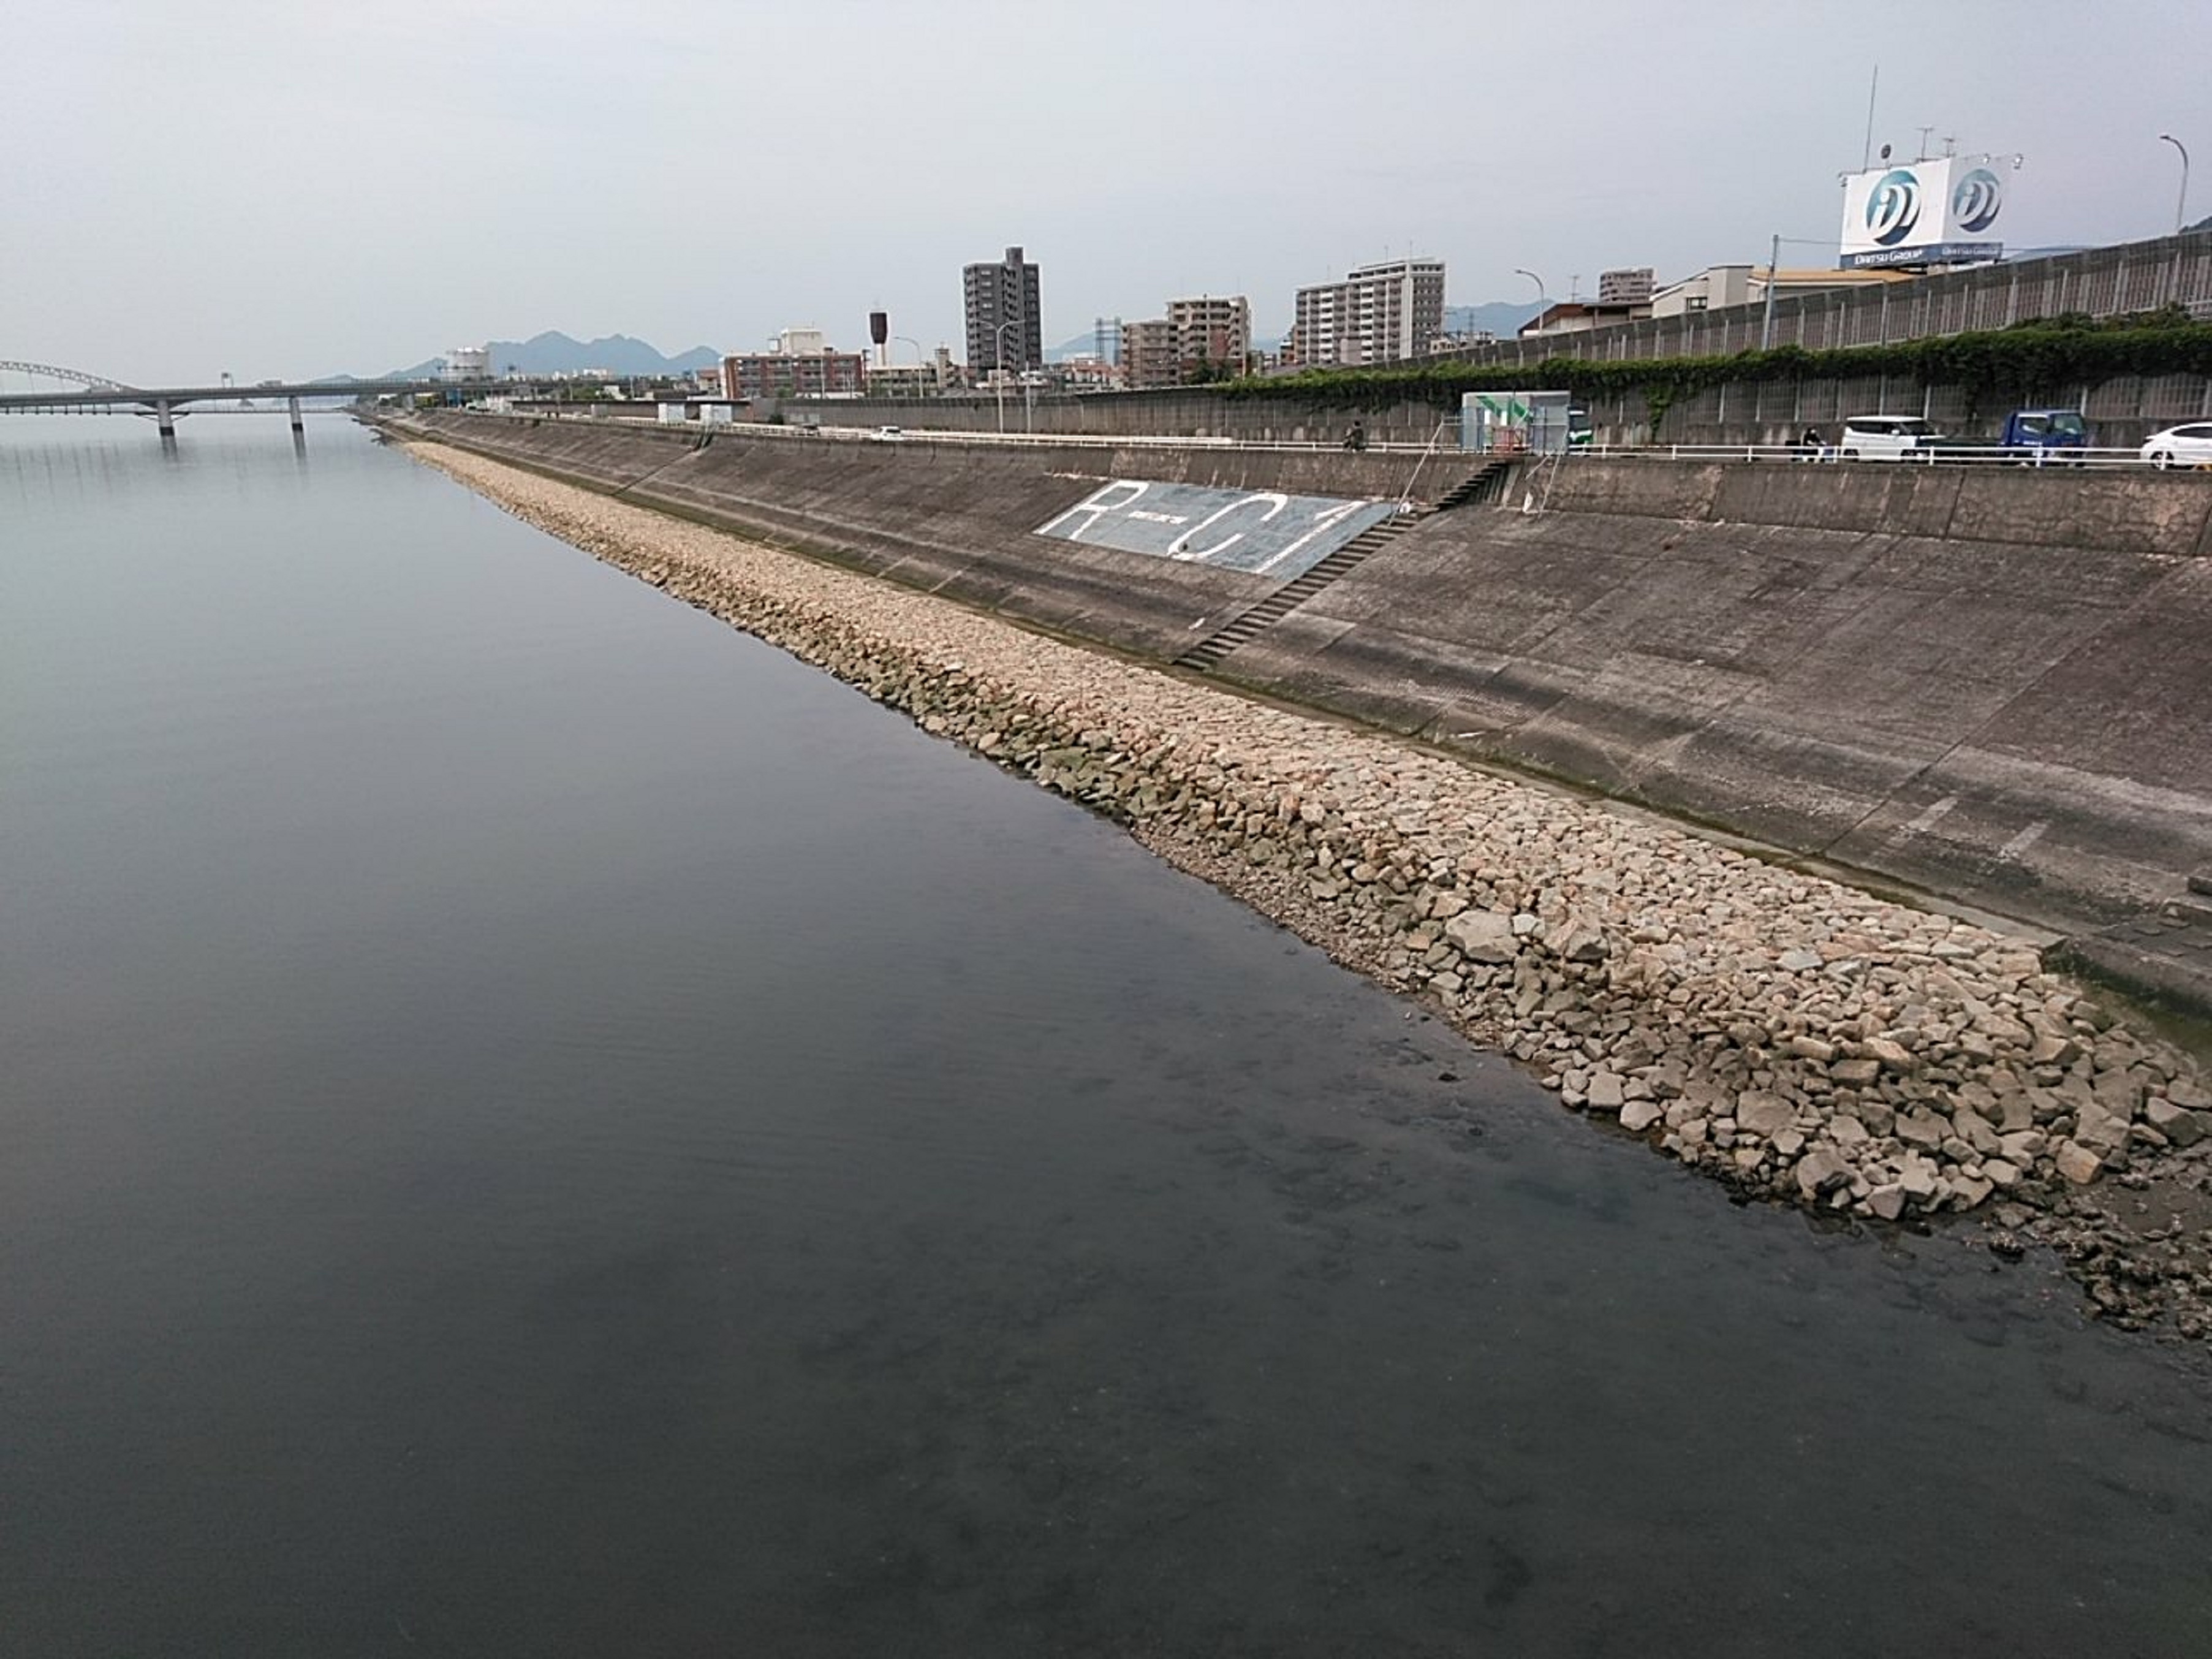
(1534, 278)
(918, 364)
(2181, 205)
(999, 368)
(1773, 269)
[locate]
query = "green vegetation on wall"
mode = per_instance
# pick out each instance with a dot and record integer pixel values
(2049, 354)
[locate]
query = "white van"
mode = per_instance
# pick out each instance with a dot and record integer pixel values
(1889, 438)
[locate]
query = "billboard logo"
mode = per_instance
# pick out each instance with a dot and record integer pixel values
(1893, 207)
(1975, 201)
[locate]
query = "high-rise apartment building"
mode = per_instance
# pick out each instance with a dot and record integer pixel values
(1004, 328)
(1211, 332)
(1148, 354)
(1197, 339)
(1630, 286)
(1380, 313)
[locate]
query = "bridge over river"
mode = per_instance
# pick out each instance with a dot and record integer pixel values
(95, 393)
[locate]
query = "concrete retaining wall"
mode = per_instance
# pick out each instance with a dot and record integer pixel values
(1994, 685)
(2122, 412)
(957, 519)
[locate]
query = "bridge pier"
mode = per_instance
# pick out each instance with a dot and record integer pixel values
(163, 418)
(293, 404)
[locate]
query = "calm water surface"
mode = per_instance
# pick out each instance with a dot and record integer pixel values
(531, 1124)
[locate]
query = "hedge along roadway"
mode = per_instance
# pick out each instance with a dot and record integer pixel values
(2017, 362)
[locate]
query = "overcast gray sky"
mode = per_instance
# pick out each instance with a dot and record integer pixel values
(298, 187)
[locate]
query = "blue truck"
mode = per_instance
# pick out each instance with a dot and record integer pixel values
(2039, 437)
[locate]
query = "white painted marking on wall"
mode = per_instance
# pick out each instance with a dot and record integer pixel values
(1180, 548)
(1933, 816)
(1098, 505)
(2020, 842)
(1327, 518)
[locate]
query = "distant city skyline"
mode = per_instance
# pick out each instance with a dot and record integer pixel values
(277, 192)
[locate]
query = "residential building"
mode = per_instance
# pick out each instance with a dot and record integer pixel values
(1580, 316)
(468, 363)
(901, 381)
(1381, 314)
(1720, 286)
(823, 374)
(1443, 344)
(1212, 335)
(1148, 353)
(1204, 339)
(1085, 374)
(1628, 287)
(1005, 330)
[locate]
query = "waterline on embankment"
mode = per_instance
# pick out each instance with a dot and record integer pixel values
(1789, 1036)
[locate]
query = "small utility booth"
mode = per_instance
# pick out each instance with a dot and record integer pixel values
(1514, 422)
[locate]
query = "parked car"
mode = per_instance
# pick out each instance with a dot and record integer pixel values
(2180, 446)
(888, 434)
(2041, 437)
(1889, 438)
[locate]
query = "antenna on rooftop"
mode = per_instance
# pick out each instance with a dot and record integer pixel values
(1866, 154)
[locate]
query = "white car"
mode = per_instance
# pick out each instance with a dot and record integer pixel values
(2180, 446)
(888, 434)
(1889, 438)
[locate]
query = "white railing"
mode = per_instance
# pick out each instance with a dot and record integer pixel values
(940, 435)
(1799, 454)
(1945, 455)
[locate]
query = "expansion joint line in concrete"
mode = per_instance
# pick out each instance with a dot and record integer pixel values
(1971, 739)
(648, 477)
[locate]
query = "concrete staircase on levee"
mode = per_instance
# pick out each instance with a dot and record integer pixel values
(1247, 625)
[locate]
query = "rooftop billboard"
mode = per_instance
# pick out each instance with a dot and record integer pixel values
(1937, 212)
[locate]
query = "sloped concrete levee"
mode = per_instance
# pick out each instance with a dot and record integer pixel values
(959, 520)
(1995, 685)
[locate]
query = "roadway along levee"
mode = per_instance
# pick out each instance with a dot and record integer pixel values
(1993, 684)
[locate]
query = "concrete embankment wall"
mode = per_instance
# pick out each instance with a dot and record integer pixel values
(954, 520)
(2122, 412)
(1994, 685)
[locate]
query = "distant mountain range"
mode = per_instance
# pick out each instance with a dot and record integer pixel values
(554, 353)
(1498, 317)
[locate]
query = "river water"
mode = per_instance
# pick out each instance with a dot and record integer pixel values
(533, 1124)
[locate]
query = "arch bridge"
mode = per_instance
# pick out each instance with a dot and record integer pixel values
(52, 372)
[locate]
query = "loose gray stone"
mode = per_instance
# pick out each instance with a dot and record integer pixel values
(1481, 936)
(1822, 1170)
(1922, 1128)
(2076, 1163)
(2102, 1132)
(1637, 1115)
(2181, 1126)
(1758, 1113)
